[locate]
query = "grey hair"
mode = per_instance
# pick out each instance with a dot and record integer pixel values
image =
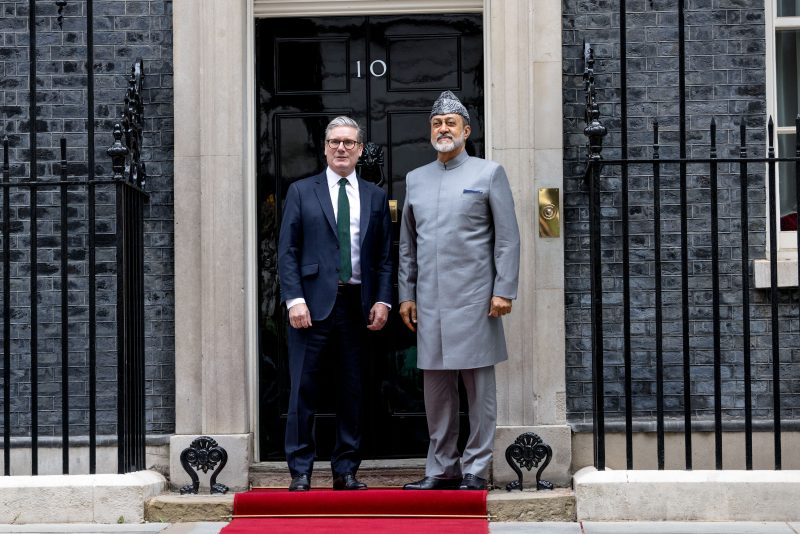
(344, 121)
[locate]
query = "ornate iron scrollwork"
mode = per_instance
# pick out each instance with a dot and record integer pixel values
(527, 451)
(204, 454)
(128, 164)
(370, 164)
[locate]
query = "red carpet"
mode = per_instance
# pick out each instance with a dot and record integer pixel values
(375, 511)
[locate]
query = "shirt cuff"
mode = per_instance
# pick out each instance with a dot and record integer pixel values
(294, 302)
(301, 300)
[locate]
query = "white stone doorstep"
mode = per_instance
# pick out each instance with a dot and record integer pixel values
(105, 498)
(703, 495)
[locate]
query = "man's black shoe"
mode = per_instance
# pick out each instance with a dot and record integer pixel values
(431, 483)
(348, 481)
(472, 482)
(300, 483)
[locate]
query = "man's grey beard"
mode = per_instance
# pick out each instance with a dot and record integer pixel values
(448, 145)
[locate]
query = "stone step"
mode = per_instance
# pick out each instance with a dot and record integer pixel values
(177, 508)
(527, 505)
(374, 473)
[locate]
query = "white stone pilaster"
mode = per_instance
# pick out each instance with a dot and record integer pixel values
(210, 179)
(525, 135)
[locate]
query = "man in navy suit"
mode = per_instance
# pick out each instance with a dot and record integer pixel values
(335, 270)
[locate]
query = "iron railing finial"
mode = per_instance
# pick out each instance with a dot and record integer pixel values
(118, 152)
(595, 130)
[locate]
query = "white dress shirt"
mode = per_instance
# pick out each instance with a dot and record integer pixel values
(355, 217)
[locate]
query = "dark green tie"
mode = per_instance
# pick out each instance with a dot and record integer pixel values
(343, 227)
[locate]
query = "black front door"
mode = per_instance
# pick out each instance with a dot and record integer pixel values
(385, 72)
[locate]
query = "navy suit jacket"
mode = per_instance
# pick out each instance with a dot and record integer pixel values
(308, 246)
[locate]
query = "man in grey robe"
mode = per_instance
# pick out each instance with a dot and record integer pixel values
(458, 272)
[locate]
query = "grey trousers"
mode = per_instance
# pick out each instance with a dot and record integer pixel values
(441, 409)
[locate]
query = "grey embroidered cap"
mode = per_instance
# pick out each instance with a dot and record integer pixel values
(449, 103)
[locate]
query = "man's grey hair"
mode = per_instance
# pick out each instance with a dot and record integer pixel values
(344, 121)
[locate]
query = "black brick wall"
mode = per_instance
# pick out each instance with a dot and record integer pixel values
(124, 31)
(725, 79)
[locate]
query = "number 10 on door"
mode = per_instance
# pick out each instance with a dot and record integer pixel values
(377, 68)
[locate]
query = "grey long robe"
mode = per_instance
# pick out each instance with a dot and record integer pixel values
(459, 246)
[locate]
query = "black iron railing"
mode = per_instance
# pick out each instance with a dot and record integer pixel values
(101, 231)
(682, 279)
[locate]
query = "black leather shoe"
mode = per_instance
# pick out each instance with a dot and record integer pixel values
(301, 482)
(348, 481)
(431, 483)
(472, 482)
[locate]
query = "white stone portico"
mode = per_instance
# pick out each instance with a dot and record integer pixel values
(215, 219)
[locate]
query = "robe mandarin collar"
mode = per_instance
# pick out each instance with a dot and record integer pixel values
(453, 163)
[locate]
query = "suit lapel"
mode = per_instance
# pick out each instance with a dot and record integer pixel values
(324, 197)
(365, 194)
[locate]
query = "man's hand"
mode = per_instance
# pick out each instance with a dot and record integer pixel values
(500, 306)
(299, 316)
(408, 312)
(378, 316)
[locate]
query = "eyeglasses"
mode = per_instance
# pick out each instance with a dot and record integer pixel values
(349, 144)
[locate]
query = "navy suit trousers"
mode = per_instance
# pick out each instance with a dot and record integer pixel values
(342, 331)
